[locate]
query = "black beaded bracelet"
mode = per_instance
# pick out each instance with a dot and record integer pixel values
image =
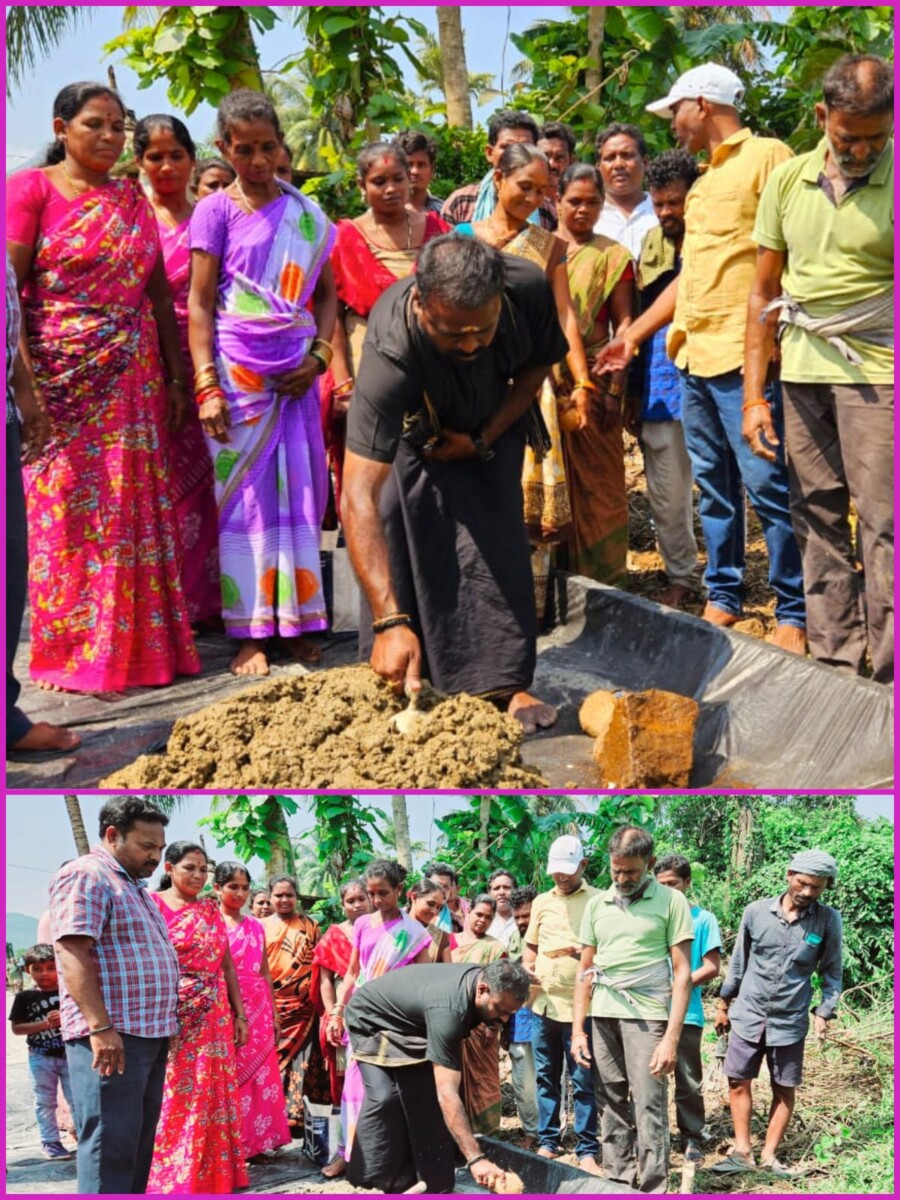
(391, 623)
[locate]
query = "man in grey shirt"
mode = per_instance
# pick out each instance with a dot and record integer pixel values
(766, 997)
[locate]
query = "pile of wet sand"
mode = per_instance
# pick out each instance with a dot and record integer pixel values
(332, 729)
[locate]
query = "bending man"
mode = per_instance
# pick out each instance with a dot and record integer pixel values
(432, 504)
(406, 1031)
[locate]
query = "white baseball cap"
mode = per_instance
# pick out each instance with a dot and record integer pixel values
(712, 82)
(565, 857)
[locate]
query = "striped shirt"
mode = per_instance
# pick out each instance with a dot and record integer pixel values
(94, 896)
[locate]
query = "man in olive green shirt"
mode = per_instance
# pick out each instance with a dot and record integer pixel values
(825, 278)
(636, 979)
(552, 951)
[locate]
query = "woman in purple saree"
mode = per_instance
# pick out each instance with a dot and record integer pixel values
(261, 286)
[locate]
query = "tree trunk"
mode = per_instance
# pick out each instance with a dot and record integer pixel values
(243, 49)
(483, 839)
(741, 846)
(401, 830)
(281, 861)
(455, 81)
(82, 845)
(596, 17)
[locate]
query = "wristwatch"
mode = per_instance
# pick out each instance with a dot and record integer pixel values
(483, 452)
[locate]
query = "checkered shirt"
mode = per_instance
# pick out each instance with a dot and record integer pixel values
(94, 896)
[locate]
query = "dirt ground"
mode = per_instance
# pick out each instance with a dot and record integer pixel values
(333, 729)
(646, 576)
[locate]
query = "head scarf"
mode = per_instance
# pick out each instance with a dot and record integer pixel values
(814, 862)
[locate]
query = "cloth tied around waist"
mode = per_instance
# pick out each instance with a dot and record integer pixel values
(654, 981)
(870, 320)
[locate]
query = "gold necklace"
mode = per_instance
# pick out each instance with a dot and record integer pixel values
(79, 191)
(246, 199)
(408, 245)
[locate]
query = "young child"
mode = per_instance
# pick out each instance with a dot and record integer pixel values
(35, 1014)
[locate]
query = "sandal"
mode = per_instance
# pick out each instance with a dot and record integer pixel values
(733, 1164)
(775, 1167)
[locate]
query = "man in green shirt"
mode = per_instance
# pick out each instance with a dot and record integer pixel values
(636, 979)
(825, 280)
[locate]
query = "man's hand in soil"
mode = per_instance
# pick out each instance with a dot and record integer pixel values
(486, 1174)
(397, 657)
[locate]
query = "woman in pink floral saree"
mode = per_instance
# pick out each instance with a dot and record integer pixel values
(198, 1145)
(107, 607)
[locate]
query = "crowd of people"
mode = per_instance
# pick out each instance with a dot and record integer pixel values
(189, 1027)
(201, 368)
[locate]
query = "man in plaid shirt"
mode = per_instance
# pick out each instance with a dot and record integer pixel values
(118, 987)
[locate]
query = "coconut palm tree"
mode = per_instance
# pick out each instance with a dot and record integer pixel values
(76, 820)
(455, 76)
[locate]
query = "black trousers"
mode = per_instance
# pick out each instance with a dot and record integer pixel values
(401, 1137)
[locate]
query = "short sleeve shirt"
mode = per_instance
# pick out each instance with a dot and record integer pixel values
(836, 255)
(707, 937)
(33, 1006)
(632, 939)
(706, 337)
(400, 363)
(555, 928)
(94, 896)
(415, 1014)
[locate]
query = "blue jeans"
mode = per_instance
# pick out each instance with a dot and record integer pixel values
(47, 1073)
(116, 1115)
(550, 1040)
(723, 466)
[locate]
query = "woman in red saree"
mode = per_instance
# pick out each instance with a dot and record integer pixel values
(107, 606)
(331, 958)
(198, 1138)
(291, 939)
(370, 253)
(165, 153)
(264, 1124)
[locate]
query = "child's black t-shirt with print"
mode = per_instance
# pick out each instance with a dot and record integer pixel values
(34, 1005)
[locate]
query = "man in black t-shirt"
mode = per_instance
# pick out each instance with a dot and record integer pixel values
(406, 1031)
(443, 402)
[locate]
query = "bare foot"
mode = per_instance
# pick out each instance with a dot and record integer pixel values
(304, 651)
(546, 1152)
(44, 736)
(789, 637)
(250, 659)
(673, 596)
(46, 686)
(534, 714)
(718, 616)
(335, 1168)
(589, 1163)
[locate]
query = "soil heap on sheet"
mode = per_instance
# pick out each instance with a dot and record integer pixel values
(332, 729)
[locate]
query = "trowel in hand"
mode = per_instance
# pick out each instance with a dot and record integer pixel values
(414, 716)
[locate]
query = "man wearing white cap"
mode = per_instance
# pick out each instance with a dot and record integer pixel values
(766, 997)
(552, 950)
(707, 306)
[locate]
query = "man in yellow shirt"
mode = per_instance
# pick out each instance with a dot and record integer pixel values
(707, 307)
(552, 950)
(636, 980)
(825, 278)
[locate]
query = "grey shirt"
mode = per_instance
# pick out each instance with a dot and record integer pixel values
(771, 970)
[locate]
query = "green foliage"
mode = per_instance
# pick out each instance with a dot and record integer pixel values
(460, 156)
(32, 32)
(343, 845)
(645, 49)
(703, 829)
(521, 829)
(255, 825)
(203, 51)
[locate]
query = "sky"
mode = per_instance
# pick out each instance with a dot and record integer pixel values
(39, 837)
(28, 116)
